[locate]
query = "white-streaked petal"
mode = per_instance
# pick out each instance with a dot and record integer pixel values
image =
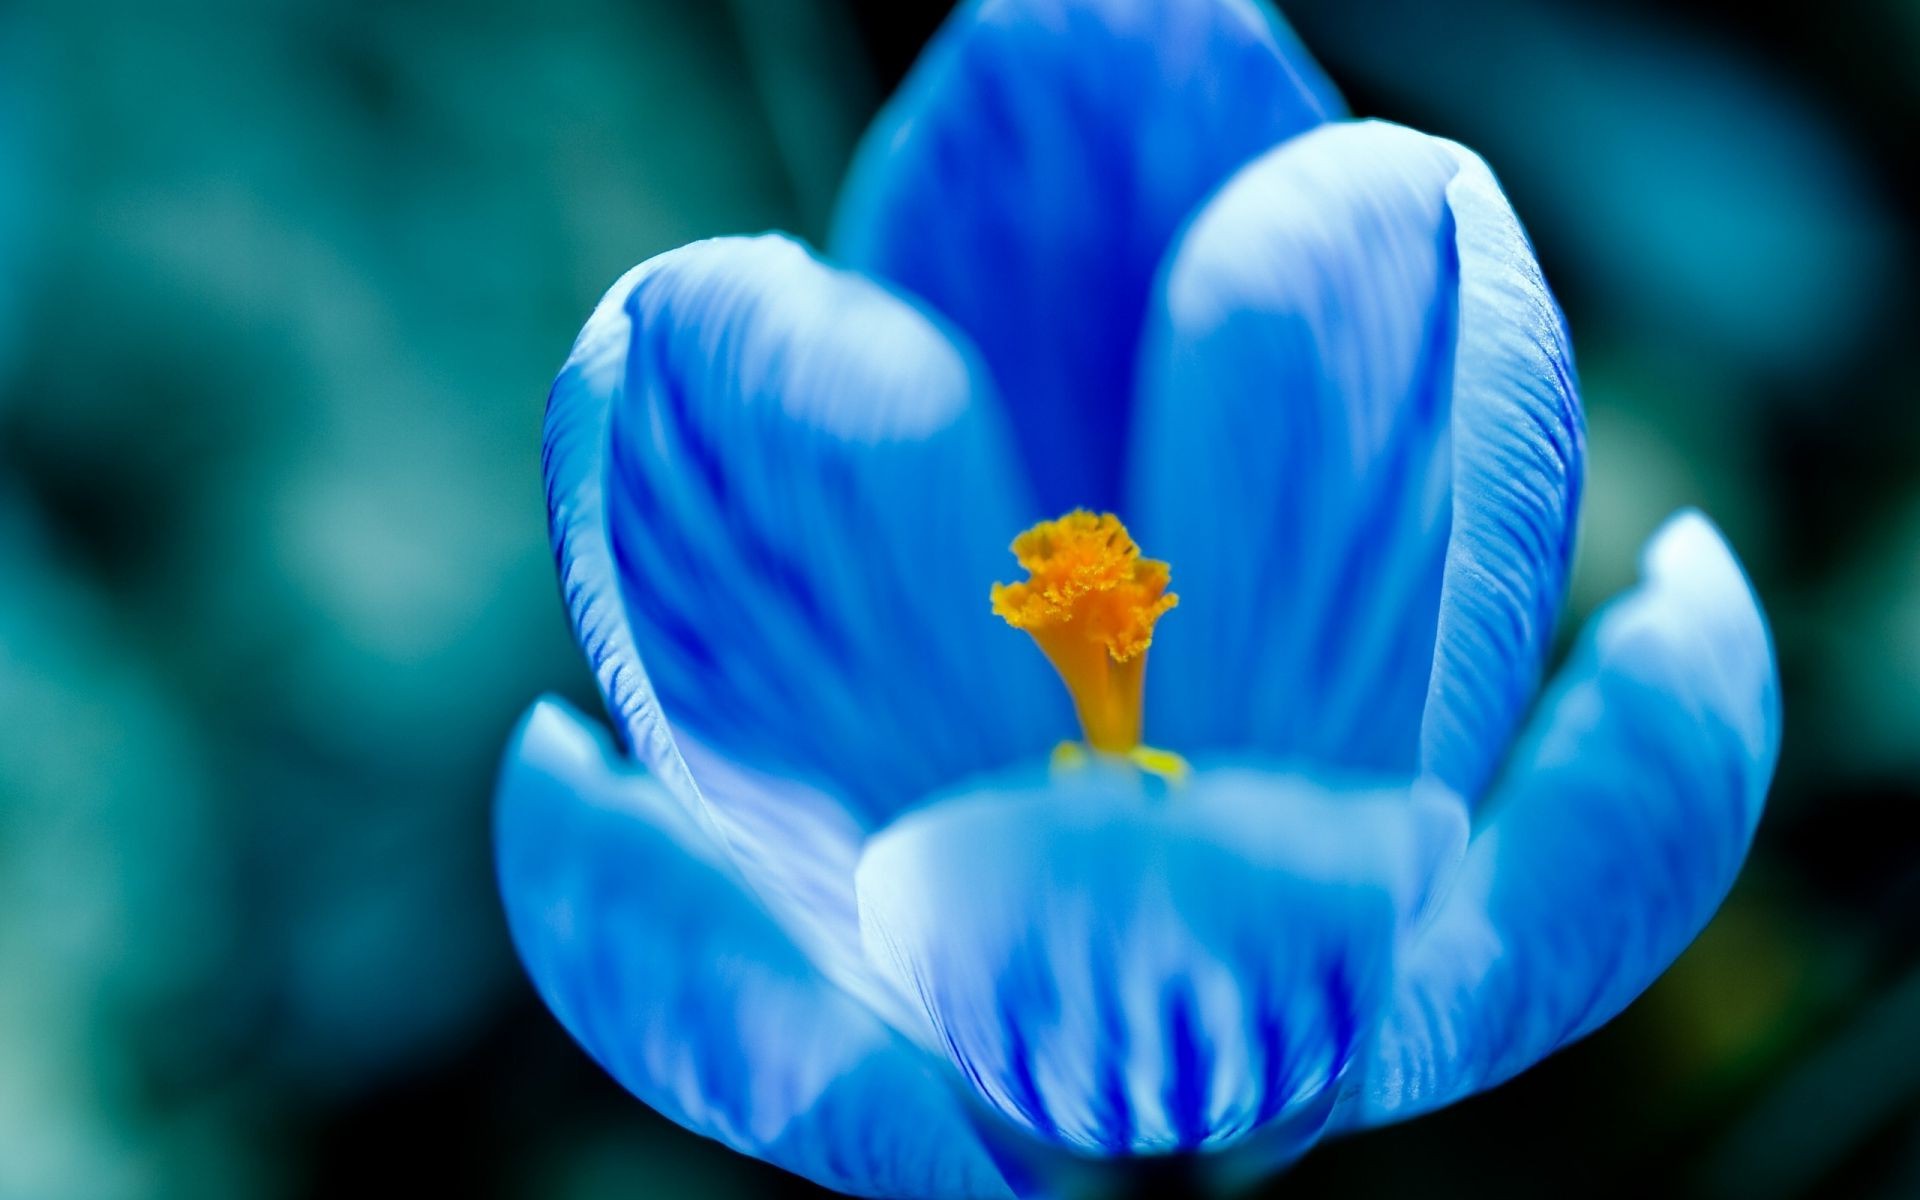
(808, 502)
(1359, 446)
(1029, 175)
(1120, 971)
(642, 939)
(1618, 829)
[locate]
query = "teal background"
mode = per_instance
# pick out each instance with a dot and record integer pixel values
(282, 286)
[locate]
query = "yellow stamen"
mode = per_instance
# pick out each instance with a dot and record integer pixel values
(1164, 763)
(1068, 756)
(1090, 604)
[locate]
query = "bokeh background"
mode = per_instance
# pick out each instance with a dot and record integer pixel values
(282, 285)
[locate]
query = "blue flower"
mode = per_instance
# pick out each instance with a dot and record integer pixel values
(836, 900)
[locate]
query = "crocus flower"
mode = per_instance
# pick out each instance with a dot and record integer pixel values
(861, 889)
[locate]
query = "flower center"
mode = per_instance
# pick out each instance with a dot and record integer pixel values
(1090, 603)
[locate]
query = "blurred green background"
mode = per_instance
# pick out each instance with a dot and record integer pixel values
(282, 286)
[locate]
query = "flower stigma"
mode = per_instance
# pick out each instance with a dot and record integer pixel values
(1090, 602)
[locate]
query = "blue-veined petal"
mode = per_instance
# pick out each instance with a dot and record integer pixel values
(808, 880)
(1121, 971)
(1360, 448)
(646, 946)
(574, 466)
(1617, 831)
(1519, 459)
(1293, 450)
(797, 847)
(807, 501)
(1028, 178)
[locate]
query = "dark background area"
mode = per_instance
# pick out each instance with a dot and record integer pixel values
(282, 286)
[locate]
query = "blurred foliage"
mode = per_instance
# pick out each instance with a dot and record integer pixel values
(282, 285)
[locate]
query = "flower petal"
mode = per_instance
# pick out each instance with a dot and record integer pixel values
(1622, 823)
(805, 506)
(810, 884)
(1519, 460)
(574, 464)
(1123, 972)
(797, 847)
(1293, 451)
(646, 946)
(1028, 177)
(1359, 447)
